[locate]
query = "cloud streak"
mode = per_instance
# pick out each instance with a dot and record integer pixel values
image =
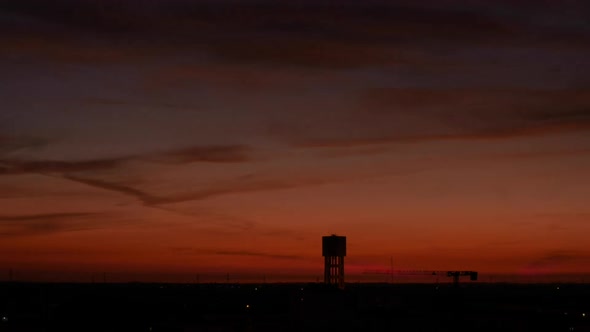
(211, 154)
(255, 254)
(11, 144)
(244, 253)
(499, 134)
(49, 166)
(236, 186)
(416, 115)
(49, 223)
(557, 259)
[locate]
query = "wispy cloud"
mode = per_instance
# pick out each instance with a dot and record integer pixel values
(217, 154)
(402, 115)
(213, 154)
(235, 186)
(116, 187)
(544, 154)
(49, 166)
(256, 254)
(500, 134)
(227, 221)
(108, 102)
(102, 174)
(49, 223)
(558, 259)
(11, 144)
(197, 251)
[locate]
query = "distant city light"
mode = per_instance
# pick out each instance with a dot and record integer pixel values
(247, 306)
(583, 314)
(4, 319)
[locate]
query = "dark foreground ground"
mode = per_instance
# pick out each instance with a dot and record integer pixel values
(294, 307)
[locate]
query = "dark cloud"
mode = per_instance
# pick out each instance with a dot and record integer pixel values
(233, 187)
(392, 116)
(10, 144)
(544, 154)
(217, 154)
(213, 154)
(541, 103)
(248, 183)
(474, 107)
(318, 34)
(105, 102)
(41, 224)
(49, 166)
(41, 217)
(191, 251)
(487, 135)
(87, 172)
(120, 102)
(116, 187)
(239, 185)
(228, 222)
(559, 258)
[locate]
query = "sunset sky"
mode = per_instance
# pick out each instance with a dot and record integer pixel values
(161, 139)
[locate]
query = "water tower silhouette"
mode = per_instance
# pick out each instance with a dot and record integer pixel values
(334, 250)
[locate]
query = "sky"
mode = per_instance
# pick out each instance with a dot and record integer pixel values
(161, 140)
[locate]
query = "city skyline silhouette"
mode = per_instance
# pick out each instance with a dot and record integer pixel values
(158, 140)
